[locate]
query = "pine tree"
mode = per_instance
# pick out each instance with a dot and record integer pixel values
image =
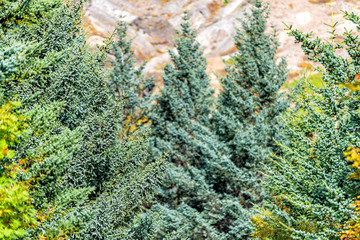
(86, 182)
(128, 83)
(248, 108)
(308, 183)
(192, 203)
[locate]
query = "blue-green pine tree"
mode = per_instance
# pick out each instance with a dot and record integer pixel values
(192, 202)
(129, 85)
(310, 192)
(86, 182)
(247, 112)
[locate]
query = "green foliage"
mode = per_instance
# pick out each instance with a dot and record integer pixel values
(86, 182)
(192, 202)
(16, 15)
(16, 212)
(352, 227)
(311, 78)
(308, 185)
(128, 83)
(352, 155)
(248, 108)
(11, 125)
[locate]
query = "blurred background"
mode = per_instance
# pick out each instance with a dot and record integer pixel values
(153, 24)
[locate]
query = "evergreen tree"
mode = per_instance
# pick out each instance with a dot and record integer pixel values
(308, 184)
(248, 108)
(128, 83)
(85, 182)
(192, 203)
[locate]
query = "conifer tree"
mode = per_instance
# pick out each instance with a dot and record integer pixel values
(86, 183)
(192, 201)
(248, 108)
(128, 83)
(308, 183)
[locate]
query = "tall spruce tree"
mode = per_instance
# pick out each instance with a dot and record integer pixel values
(85, 182)
(128, 83)
(248, 108)
(192, 201)
(308, 184)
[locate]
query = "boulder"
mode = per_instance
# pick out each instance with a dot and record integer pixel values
(159, 29)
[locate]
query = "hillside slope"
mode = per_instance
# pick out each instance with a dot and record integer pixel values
(153, 23)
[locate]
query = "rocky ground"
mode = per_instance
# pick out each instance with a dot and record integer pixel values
(152, 24)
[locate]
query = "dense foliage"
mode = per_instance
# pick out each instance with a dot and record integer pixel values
(83, 149)
(128, 83)
(248, 109)
(308, 184)
(16, 211)
(86, 182)
(352, 226)
(194, 161)
(204, 193)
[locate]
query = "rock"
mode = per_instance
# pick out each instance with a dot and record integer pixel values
(201, 7)
(197, 18)
(214, 37)
(231, 7)
(224, 48)
(303, 18)
(216, 64)
(176, 21)
(173, 7)
(153, 23)
(93, 41)
(104, 15)
(158, 28)
(154, 67)
(143, 49)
